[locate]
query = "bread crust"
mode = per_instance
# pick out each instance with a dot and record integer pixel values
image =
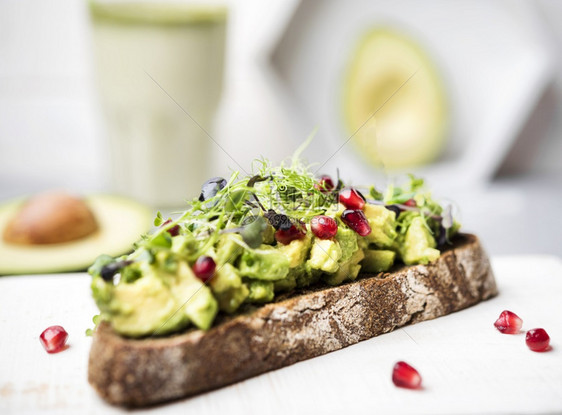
(133, 372)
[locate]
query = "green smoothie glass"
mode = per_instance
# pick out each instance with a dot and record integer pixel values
(159, 69)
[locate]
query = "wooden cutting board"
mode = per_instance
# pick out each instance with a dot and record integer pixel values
(466, 364)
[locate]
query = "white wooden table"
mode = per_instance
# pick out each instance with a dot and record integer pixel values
(466, 364)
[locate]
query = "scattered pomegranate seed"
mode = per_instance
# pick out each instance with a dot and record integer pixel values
(537, 340)
(204, 268)
(174, 230)
(411, 203)
(508, 322)
(53, 339)
(325, 184)
(286, 236)
(324, 227)
(357, 221)
(352, 199)
(405, 376)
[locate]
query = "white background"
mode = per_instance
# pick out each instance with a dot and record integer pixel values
(50, 133)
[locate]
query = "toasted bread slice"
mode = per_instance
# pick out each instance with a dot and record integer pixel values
(306, 324)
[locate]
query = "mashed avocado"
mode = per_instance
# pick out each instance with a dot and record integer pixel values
(325, 255)
(376, 260)
(228, 288)
(244, 241)
(418, 246)
(156, 302)
(383, 225)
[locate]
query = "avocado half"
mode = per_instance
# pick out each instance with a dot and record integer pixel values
(411, 118)
(121, 222)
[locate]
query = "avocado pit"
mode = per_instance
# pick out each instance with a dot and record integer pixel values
(51, 218)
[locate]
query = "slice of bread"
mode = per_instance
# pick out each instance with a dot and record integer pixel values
(312, 322)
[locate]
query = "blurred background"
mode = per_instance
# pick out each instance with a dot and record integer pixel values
(149, 103)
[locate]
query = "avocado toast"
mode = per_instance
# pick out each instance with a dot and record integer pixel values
(266, 270)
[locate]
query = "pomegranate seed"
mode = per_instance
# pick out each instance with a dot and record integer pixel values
(405, 376)
(325, 184)
(324, 227)
(410, 203)
(537, 340)
(53, 339)
(352, 199)
(357, 221)
(286, 236)
(508, 322)
(174, 230)
(204, 268)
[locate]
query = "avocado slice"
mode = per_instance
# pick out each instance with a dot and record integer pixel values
(228, 288)
(410, 124)
(376, 261)
(325, 255)
(121, 223)
(266, 263)
(347, 271)
(383, 225)
(419, 245)
(261, 292)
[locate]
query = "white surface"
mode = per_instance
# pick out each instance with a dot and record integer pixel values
(466, 364)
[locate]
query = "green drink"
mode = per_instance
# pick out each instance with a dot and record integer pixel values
(159, 69)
